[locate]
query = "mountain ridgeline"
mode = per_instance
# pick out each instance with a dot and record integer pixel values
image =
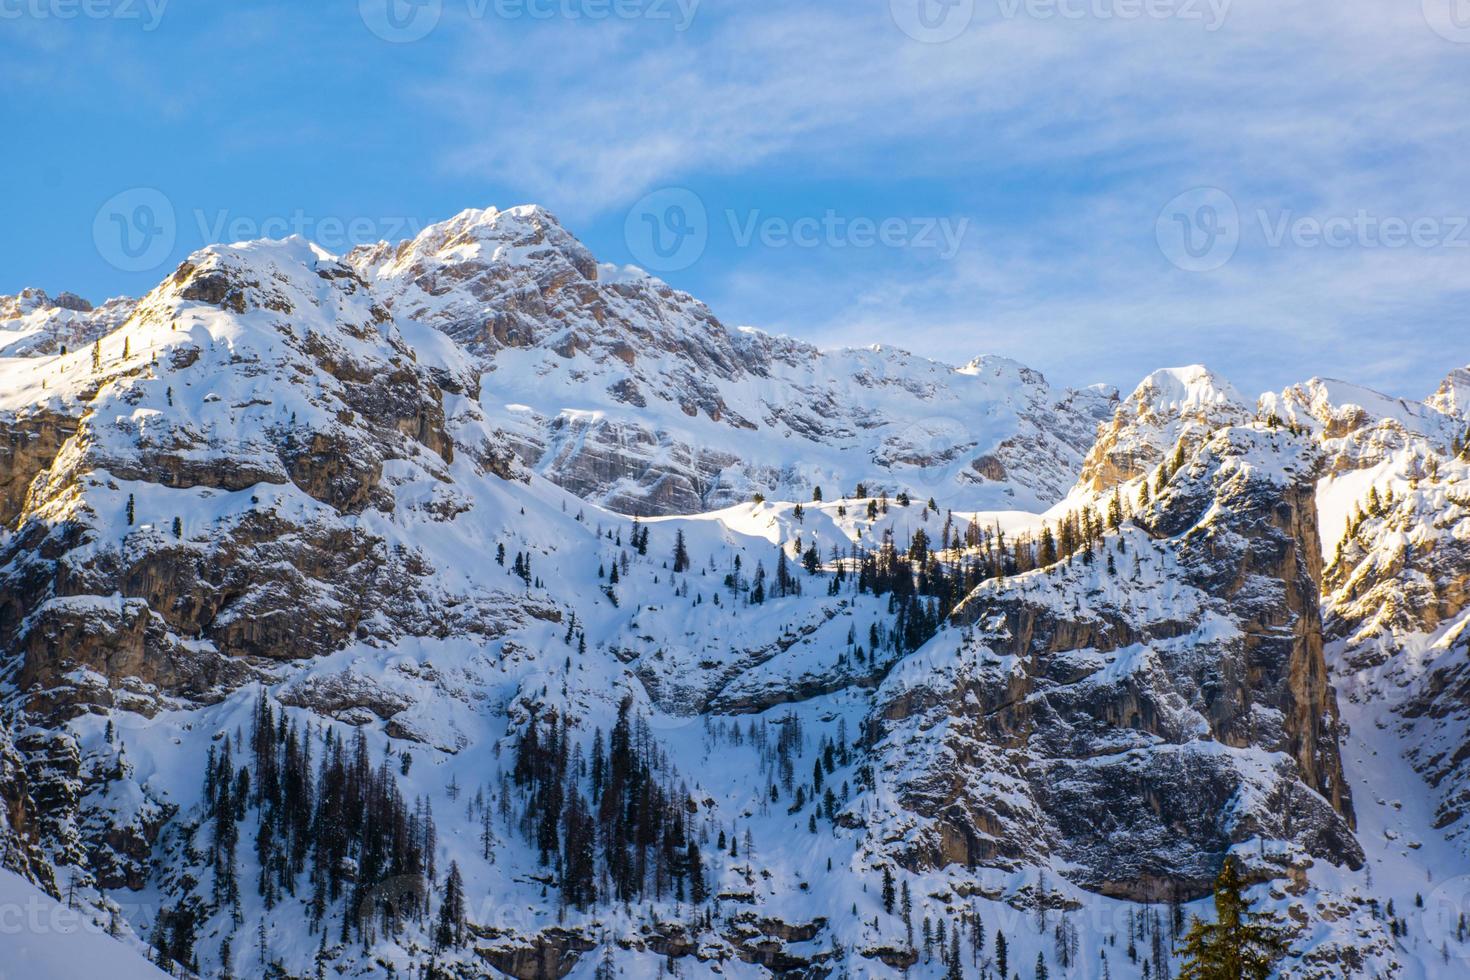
(465, 607)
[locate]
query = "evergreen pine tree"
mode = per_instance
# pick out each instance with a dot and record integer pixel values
(451, 912)
(1238, 945)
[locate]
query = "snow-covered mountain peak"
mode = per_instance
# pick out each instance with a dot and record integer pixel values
(633, 393)
(1329, 402)
(267, 290)
(31, 299)
(1003, 369)
(1453, 395)
(1170, 404)
(525, 235)
(33, 322)
(1184, 391)
(1360, 428)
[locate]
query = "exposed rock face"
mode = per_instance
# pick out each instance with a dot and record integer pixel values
(29, 442)
(1169, 406)
(550, 956)
(1245, 519)
(1138, 724)
(631, 393)
(1397, 576)
(19, 820)
(1437, 714)
(266, 380)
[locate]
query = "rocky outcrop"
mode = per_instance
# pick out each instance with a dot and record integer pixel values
(265, 380)
(1168, 407)
(20, 820)
(634, 395)
(33, 324)
(1452, 397)
(29, 443)
(550, 955)
(1135, 724)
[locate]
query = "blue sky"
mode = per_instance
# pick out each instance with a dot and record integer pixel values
(1277, 189)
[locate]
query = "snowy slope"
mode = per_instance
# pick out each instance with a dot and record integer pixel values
(43, 939)
(371, 496)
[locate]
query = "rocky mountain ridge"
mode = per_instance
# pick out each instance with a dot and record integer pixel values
(631, 393)
(322, 492)
(31, 322)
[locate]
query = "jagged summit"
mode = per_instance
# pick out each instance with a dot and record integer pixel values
(521, 235)
(32, 299)
(630, 392)
(1172, 404)
(1453, 395)
(35, 323)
